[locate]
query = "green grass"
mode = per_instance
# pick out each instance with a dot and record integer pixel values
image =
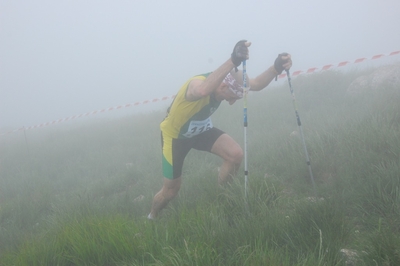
(79, 194)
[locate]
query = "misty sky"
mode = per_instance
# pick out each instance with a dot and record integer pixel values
(62, 58)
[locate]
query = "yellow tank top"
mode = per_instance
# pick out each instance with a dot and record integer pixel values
(186, 119)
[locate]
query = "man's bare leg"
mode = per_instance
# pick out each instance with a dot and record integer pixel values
(232, 154)
(166, 194)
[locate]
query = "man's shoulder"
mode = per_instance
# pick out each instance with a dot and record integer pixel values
(197, 78)
(201, 76)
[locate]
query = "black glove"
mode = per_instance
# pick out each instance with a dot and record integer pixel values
(239, 53)
(279, 62)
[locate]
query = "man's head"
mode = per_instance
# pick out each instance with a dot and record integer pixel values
(231, 88)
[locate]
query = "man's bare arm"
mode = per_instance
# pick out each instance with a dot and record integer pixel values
(202, 88)
(265, 78)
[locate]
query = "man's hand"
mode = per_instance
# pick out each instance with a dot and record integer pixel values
(283, 62)
(240, 52)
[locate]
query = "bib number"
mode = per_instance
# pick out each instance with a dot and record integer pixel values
(197, 127)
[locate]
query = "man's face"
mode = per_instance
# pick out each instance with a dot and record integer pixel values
(228, 95)
(233, 85)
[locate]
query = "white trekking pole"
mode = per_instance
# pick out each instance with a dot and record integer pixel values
(246, 172)
(301, 132)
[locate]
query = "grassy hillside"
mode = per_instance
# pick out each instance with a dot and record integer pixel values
(79, 194)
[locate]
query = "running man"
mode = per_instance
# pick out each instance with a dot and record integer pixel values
(188, 124)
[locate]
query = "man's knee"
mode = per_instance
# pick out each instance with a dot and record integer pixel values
(228, 149)
(171, 188)
(236, 155)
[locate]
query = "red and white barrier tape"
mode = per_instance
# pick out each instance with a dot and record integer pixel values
(341, 64)
(295, 73)
(90, 113)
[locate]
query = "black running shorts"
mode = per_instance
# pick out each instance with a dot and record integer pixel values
(175, 150)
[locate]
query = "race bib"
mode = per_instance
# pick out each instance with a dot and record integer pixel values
(197, 127)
